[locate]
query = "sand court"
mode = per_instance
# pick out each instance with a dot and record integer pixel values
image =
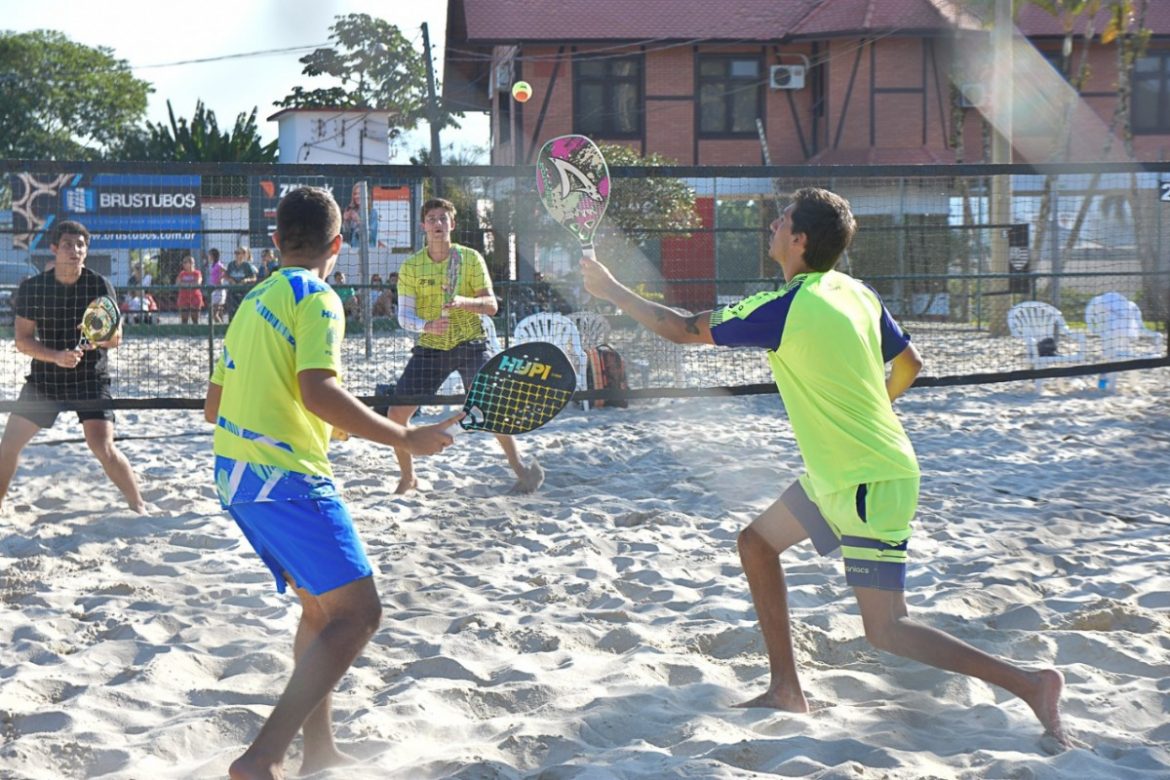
(602, 628)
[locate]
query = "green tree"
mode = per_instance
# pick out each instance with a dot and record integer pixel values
(647, 208)
(378, 68)
(199, 140)
(61, 100)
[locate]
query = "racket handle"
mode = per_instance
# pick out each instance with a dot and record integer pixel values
(587, 251)
(454, 430)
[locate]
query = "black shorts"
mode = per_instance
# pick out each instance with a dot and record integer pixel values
(32, 392)
(427, 368)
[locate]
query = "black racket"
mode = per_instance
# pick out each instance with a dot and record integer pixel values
(100, 321)
(518, 390)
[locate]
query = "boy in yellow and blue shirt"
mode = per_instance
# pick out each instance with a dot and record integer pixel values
(275, 398)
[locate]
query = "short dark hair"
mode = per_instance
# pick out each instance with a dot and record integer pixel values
(71, 227)
(438, 203)
(826, 221)
(307, 219)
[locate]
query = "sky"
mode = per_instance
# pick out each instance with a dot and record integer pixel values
(150, 36)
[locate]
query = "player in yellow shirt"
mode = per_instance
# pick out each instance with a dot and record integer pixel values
(442, 290)
(827, 338)
(275, 396)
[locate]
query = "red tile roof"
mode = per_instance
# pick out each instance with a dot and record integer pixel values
(1035, 22)
(831, 18)
(514, 21)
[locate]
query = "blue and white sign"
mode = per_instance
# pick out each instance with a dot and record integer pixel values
(121, 211)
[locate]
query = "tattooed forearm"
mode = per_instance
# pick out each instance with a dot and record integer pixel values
(693, 324)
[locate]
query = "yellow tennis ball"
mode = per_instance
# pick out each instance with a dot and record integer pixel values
(521, 91)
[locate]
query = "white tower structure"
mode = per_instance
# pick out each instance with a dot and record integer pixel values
(333, 136)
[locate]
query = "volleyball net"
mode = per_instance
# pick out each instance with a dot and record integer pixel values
(999, 273)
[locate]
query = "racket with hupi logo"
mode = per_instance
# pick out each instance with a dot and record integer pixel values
(573, 182)
(518, 390)
(100, 322)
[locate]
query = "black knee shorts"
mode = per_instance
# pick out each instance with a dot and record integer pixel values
(428, 368)
(35, 393)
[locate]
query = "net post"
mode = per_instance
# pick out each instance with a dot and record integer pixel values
(364, 264)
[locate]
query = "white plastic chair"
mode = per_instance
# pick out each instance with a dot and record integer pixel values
(559, 330)
(1033, 321)
(1117, 321)
(593, 327)
(489, 329)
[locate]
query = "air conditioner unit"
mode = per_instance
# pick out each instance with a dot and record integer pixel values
(786, 77)
(972, 95)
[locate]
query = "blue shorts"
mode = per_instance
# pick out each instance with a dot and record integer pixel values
(428, 368)
(311, 539)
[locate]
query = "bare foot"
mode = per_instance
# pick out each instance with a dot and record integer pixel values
(320, 763)
(529, 480)
(405, 486)
(778, 700)
(244, 768)
(1045, 702)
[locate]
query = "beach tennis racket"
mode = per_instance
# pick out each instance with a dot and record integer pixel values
(518, 390)
(100, 321)
(573, 181)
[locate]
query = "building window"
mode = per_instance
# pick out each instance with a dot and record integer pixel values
(730, 95)
(607, 97)
(1151, 94)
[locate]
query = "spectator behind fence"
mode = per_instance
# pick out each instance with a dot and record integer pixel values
(240, 274)
(385, 304)
(140, 279)
(190, 298)
(269, 264)
(216, 277)
(351, 220)
(351, 302)
(140, 308)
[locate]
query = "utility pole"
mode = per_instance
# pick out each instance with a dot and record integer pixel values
(432, 111)
(1002, 88)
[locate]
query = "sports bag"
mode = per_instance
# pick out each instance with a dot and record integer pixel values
(607, 371)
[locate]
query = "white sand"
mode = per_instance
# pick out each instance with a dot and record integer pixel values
(602, 628)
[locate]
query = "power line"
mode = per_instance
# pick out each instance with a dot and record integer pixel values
(238, 56)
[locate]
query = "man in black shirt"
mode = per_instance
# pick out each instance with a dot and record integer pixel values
(48, 309)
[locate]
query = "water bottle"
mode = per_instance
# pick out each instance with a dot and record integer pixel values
(1103, 383)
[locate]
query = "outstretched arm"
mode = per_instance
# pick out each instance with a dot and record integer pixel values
(663, 320)
(324, 396)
